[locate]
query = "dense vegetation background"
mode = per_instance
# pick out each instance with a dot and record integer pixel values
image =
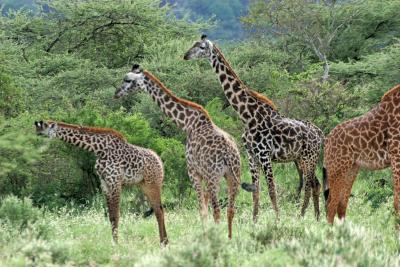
(325, 61)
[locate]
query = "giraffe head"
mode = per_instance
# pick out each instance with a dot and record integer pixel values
(200, 49)
(133, 81)
(46, 128)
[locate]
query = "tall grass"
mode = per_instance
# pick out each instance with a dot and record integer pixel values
(82, 236)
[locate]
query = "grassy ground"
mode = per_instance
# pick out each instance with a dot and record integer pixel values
(81, 237)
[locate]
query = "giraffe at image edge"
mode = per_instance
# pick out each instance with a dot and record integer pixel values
(268, 137)
(118, 163)
(371, 141)
(211, 153)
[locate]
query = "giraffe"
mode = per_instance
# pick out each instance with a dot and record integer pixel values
(371, 141)
(118, 163)
(269, 136)
(210, 152)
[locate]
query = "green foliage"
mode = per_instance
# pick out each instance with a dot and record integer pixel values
(206, 249)
(10, 102)
(18, 212)
(377, 71)
(375, 26)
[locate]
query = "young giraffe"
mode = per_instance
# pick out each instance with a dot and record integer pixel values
(210, 152)
(118, 163)
(371, 141)
(269, 137)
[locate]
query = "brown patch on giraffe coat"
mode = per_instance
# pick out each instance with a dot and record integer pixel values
(175, 98)
(94, 130)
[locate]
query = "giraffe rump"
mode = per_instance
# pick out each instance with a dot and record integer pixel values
(175, 98)
(390, 92)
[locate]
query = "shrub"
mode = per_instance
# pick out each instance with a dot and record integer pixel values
(207, 249)
(18, 212)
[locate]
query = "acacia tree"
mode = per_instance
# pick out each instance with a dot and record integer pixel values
(109, 32)
(313, 23)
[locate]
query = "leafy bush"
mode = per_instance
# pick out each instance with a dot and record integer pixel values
(206, 249)
(18, 212)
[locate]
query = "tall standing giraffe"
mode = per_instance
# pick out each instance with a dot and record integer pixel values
(269, 136)
(371, 141)
(118, 163)
(210, 152)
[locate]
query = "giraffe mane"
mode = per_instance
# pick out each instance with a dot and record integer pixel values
(390, 92)
(174, 97)
(253, 93)
(94, 130)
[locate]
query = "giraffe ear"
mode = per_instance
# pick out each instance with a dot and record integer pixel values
(136, 68)
(203, 37)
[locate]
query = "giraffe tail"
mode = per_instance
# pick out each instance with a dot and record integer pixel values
(229, 163)
(150, 211)
(325, 183)
(249, 187)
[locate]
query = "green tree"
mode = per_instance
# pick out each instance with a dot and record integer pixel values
(315, 24)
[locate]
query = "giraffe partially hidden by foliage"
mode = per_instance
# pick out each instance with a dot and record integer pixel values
(269, 136)
(371, 141)
(210, 152)
(118, 163)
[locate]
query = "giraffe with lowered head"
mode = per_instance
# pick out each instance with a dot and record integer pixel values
(371, 141)
(118, 163)
(268, 137)
(210, 152)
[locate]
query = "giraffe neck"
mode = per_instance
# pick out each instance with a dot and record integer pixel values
(89, 141)
(248, 104)
(187, 115)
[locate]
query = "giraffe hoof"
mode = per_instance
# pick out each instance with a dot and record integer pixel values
(249, 187)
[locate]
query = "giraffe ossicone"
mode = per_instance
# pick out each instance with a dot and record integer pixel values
(118, 163)
(210, 152)
(268, 137)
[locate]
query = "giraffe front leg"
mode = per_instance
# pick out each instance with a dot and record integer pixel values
(266, 163)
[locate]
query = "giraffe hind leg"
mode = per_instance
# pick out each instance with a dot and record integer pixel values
(113, 199)
(153, 194)
(301, 181)
(316, 187)
(347, 186)
(233, 190)
(213, 195)
(271, 185)
(307, 194)
(200, 194)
